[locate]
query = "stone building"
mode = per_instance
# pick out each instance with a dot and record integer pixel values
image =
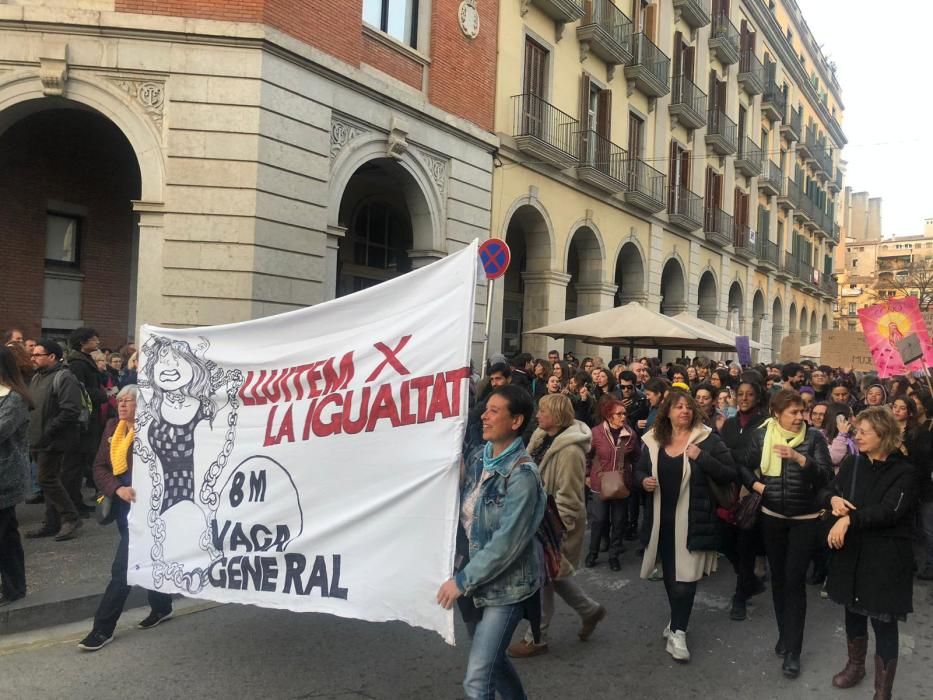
(188, 162)
(680, 153)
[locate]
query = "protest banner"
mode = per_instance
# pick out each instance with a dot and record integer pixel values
(790, 348)
(888, 323)
(309, 461)
(743, 350)
(845, 349)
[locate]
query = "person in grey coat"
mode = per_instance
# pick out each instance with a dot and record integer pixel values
(14, 475)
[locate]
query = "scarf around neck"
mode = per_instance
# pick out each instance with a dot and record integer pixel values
(491, 463)
(771, 463)
(120, 445)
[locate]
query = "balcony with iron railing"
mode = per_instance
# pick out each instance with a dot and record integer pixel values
(835, 185)
(649, 68)
(767, 253)
(828, 286)
(696, 13)
(744, 242)
(684, 208)
(718, 226)
(773, 100)
(721, 133)
(835, 234)
(805, 276)
(769, 182)
(787, 266)
(751, 73)
(748, 159)
(793, 124)
(603, 164)
(543, 131)
(607, 31)
(563, 11)
(787, 199)
(724, 39)
(803, 207)
(806, 146)
(645, 186)
(688, 103)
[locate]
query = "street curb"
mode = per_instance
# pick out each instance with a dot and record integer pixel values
(57, 607)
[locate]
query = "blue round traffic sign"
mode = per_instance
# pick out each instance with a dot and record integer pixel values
(495, 256)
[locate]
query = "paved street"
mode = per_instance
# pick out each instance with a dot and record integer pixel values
(238, 651)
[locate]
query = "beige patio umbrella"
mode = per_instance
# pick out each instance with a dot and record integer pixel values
(635, 326)
(712, 329)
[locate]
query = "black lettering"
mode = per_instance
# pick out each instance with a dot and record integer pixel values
(257, 487)
(335, 590)
(318, 577)
(270, 571)
(234, 579)
(294, 566)
(236, 489)
(252, 571)
(218, 537)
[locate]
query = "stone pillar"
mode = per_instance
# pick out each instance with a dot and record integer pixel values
(654, 265)
(593, 297)
(150, 304)
(331, 251)
(545, 300)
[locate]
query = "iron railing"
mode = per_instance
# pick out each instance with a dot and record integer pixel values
(646, 181)
(611, 25)
(718, 124)
(650, 57)
(685, 204)
(724, 39)
(773, 98)
(689, 100)
(744, 241)
(792, 124)
(718, 226)
(601, 154)
(535, 117)
(748, 158)
(771, 175)
(767, 250)
(751, 72)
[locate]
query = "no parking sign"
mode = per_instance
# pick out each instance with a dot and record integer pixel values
(495, 256)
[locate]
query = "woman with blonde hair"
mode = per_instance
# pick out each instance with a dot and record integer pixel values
(681, 457)
(870, 571)
(559, 447)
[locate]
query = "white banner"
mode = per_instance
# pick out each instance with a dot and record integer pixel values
(309, 461)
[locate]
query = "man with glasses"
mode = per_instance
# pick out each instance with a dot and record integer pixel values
(53, 432)
(636, 405)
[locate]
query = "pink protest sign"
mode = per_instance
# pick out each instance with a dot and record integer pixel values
(888, 323)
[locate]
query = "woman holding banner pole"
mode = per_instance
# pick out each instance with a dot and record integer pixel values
(502, 503)
(113, 471)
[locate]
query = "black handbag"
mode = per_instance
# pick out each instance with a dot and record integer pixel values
(746, 515)
(105, 511)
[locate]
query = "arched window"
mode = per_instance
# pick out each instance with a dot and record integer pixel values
(375, 248)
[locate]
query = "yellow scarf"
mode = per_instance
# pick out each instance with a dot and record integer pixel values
(120, 445)
(771, 463)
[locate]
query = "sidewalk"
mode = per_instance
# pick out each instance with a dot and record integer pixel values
(65, 580)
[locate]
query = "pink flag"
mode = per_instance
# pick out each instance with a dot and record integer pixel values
(888, 323)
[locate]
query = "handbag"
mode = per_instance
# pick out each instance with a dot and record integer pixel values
(105, 511)
(724, 495)
(612, 486)
(746, 515)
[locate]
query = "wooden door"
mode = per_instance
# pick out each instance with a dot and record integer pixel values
(535, 86)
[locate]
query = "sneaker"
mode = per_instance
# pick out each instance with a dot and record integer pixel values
(677, 646)
(589, 623)
(69, 528)
(94, 641)
(824, 594)
(153, 619)
(667, 631)
(525, 650)
(656, 574)
(738, 611)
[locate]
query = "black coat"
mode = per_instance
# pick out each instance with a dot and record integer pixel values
(919, 452)
(796, 490)
(738, 439)
(874, 569)
(53, 425)
(715, 462)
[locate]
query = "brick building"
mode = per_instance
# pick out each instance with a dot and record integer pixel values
(183, 162)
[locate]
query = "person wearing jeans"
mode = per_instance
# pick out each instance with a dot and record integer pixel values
(502, 503)
(113, 474)
(788, 463)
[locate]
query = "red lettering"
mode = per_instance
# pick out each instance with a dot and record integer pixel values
(322, 429)
(353, 426)
(306, 435)
(422, 384)
(269, 440)
(286, 428)
(383, 407)
(391, 358)
(456, 377)
(406, 417)
(439, 403)
(245, 396)
(337, 381)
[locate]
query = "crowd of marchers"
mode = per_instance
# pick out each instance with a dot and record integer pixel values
(797, 474)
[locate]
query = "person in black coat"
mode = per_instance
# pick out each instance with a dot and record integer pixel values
(682, 464)
(742, 546)
(871, 571)
(788, 464)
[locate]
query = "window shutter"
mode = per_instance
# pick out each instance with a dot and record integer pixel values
(678, 54)
(689, 61)
(651, 13)
(585, 100)
(604, 114)
(685, 169)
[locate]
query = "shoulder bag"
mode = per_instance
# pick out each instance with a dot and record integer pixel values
(105, 511)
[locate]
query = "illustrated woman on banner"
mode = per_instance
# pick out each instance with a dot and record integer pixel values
(183, 394)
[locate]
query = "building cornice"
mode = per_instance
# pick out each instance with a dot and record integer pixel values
(121, 25)
(803, 29)
(791, 63)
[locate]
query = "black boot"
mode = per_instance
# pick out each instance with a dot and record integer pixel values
(791, 666)
(591, 560)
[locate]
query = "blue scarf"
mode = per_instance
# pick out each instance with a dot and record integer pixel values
(490, 463)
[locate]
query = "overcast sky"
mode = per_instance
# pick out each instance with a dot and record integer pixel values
(884, 70)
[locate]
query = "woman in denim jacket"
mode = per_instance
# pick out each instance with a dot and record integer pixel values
(502, 504)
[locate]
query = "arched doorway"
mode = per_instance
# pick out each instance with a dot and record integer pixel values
(792, 318)
(707, 298)
(777, 328)
(529, 242)
(69, 176)
(824, 324)
(758, 314)
(736, 321)
(585, 268)
(673, 288)
(381, 207)
(804, 326)
(813, 334)
(630, 275)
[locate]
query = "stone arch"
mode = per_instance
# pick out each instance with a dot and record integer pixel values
(586, 291)
(21, 94)
(592, 248)
(526, 282)
(708, 297)
(422, 197)
(777, 326)
(813, 330)
(736, 320)
(792, 317)
(526, 203)
(630, 275)
(758, 313)
(673, 287)
(804, 323)
(824, 324)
